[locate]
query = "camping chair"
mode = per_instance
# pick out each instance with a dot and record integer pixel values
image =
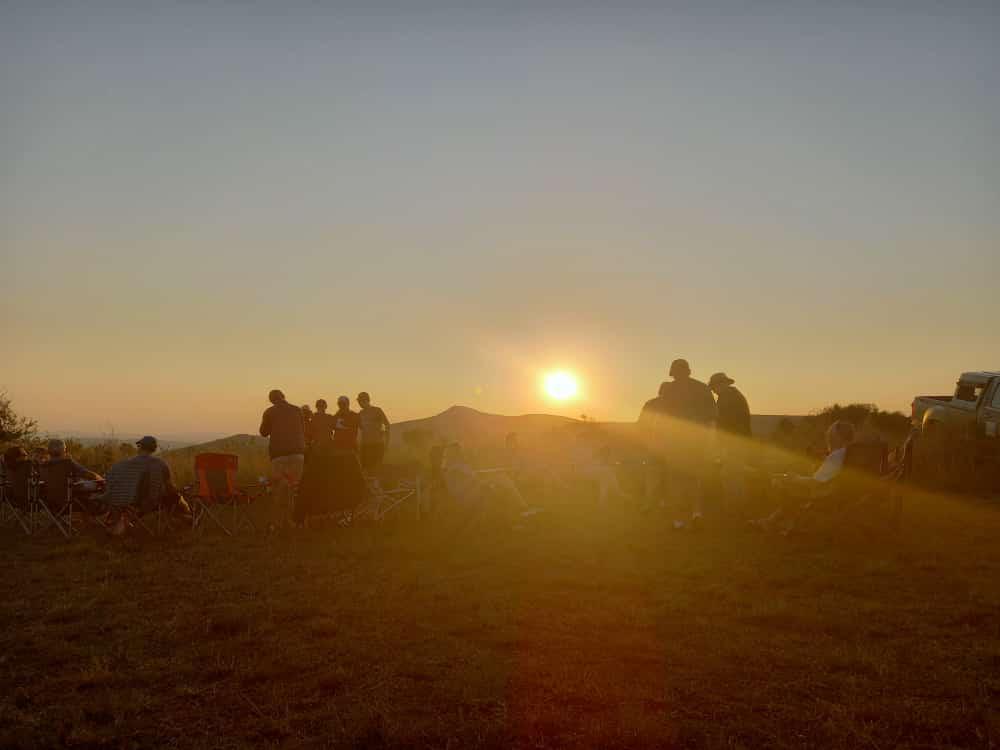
(863, 481)
(381, 502)
(216, 496)
(59, 495)
(42, 514)
(15, 496)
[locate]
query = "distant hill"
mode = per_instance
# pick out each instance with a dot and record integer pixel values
(476, 428)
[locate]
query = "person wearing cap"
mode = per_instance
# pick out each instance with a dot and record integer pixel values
(734, 431)
(282, 424)
(677, 425)
(374, 434)
(144, 482)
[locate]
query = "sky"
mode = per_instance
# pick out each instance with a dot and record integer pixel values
(202, 201)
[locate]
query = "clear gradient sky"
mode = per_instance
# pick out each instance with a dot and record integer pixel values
(202, 201)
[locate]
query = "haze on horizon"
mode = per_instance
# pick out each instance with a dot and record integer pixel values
(200, 203)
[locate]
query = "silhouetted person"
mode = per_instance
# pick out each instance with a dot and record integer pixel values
(321, 425)
(307, 417)
(282, 423)
(677, 425)
(374, 434)
(732, 407)
(734, 433)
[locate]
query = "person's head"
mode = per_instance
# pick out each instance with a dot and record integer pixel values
(306, 411)
(14, 455)
(57, 448)
(343, 403)
(364, 400)
(680, 369)
(719, 381)
(839, 435)
(321, 406)
(146, 444)
(276, 396)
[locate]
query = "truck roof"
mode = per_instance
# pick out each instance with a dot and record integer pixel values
(980, 377)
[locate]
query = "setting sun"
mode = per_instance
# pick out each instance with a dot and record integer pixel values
(561, 385)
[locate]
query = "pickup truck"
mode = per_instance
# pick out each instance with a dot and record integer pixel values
(973, 411)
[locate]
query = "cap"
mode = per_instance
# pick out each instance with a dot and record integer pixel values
(147, 442)
(720, 378)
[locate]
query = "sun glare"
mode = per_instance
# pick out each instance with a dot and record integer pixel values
(561, 385)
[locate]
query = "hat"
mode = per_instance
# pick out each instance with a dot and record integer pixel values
(147, 442)
(720, 378)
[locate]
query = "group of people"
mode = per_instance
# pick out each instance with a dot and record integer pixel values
(689, 423)
(327, 458)
(141, 482)
(329, 462)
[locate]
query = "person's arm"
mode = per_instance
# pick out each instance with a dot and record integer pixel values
(265, 423)
(83, 471)
(385, 423)
(168, 478)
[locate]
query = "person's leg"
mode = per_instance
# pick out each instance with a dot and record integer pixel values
(285, 471)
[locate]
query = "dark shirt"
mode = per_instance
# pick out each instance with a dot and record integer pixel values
(345, 431)
(67, 467)
(282, 422)
(734, 412)
(690, 400)
(374, 423)
(321, 428)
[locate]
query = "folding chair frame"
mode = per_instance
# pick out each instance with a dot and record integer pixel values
(382, 502)
(206, 503)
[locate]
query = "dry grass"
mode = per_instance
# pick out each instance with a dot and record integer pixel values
(582, 630)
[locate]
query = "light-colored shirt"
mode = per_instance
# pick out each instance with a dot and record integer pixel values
(831, 466)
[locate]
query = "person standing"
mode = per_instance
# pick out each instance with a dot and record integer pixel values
(734, 432)
(282, 424)
(321, 426)
(349, 488)
(687, 414)
(374, 434)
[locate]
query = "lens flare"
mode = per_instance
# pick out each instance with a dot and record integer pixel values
(561, 385)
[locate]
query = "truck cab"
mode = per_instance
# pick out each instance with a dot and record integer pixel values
(972, 411)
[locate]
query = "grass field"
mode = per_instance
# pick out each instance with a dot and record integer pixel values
(582, 630)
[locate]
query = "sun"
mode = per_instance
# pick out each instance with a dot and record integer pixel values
(561, 385)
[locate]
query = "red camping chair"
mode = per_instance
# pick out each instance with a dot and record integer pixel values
(215, 495)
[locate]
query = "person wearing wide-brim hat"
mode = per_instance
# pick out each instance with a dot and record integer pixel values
(733, 424)
(732, 410)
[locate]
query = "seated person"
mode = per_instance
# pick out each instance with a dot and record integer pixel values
(58, 471)
(791, 488)
(144, 482)
(592, 463)
(468, 488)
